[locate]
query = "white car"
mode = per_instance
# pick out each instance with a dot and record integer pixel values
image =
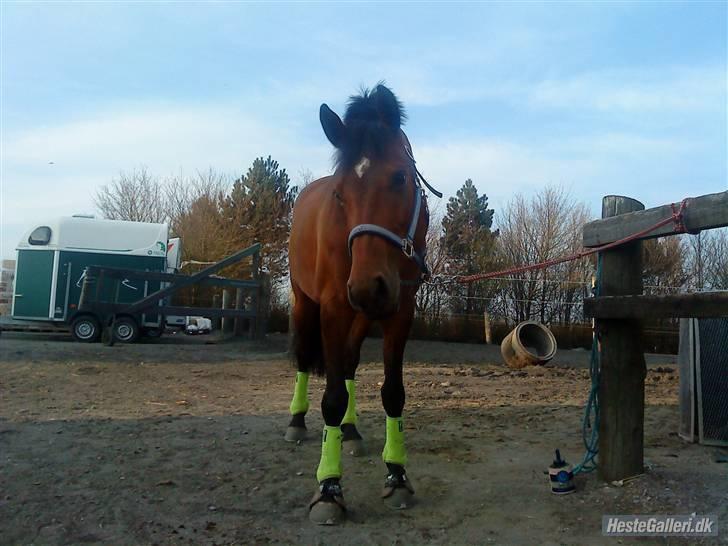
(198, 325)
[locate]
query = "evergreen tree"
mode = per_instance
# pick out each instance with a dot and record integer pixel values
(466, 228)
(467, 241)
(258, 209)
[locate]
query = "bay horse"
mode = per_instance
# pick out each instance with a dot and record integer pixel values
(357, 255)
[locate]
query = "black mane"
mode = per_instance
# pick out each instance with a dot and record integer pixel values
(372, 121)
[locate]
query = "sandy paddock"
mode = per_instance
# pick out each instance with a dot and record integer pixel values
(180, 442)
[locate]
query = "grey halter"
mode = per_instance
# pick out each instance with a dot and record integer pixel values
(406, 243)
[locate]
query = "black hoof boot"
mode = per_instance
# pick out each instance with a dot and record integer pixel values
(353, 444)
(296, 431)
(398, 491)
(327, 506)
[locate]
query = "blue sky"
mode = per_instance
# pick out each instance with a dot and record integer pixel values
(608, 97)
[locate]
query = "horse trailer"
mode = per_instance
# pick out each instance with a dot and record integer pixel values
(51, 264)
(93, 275)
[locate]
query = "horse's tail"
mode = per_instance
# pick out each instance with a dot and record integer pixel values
(306, 352)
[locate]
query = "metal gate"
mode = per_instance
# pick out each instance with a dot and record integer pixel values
(703, 361)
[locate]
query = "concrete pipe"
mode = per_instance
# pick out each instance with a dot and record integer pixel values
(529, 344)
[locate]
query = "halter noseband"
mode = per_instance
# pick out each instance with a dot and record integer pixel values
(406, 243)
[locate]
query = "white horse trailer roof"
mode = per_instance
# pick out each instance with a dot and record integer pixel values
(94, 235)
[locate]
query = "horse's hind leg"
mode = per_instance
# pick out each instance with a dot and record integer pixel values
(306, 347)
(353, 442)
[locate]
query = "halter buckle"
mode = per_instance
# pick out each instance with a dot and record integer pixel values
(408, 247)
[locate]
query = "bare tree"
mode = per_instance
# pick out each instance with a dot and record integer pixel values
(575, 275)
(716, 268)
(136, 196)
(707, 260)
(544, 226)
(431, 296)
(305, 177)
(181, 192)
(664, 265)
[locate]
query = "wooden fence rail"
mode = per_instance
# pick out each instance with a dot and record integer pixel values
(700, 213)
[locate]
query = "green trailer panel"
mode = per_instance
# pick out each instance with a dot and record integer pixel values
(32, 298)
(71, 267)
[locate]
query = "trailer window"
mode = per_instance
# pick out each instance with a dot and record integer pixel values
(40, 236)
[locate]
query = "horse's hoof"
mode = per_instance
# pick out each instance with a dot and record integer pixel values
(295, 434)
(398, 492)
(355, 448)
(326, 513)
(399, 499)
(327, 506)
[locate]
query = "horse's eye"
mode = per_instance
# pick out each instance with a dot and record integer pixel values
(399, 178)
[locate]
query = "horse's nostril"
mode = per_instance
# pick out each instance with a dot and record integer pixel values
(381, 289)
(353, 300)
(370, 296)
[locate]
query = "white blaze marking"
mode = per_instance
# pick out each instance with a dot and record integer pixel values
(361, 167)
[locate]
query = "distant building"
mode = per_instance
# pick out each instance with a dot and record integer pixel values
(7, 281)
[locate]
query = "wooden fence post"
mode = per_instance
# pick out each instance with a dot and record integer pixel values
(216, 321)
(263, 306)
(622, 380)
(255, 298)
(487, 330)
(239, 321)
(227, 323)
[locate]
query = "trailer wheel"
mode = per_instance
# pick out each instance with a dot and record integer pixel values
(153, 332)
(85, 329)
(126, 330)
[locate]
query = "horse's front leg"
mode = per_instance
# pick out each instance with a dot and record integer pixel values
(353, 442)
(327, 506)
(398, 490)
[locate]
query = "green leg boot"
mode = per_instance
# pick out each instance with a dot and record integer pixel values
(353, 442)
(296, 430)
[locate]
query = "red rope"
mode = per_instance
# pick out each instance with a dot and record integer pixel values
(676, 217)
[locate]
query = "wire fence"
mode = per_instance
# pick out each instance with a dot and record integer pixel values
(442, 281)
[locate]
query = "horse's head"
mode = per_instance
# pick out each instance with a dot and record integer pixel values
(379, 198)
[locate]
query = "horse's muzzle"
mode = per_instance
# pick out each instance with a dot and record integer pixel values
(374, 297)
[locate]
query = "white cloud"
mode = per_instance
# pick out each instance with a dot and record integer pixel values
(166, 139)
(497, 168)
(591, 167)
(676, 89)
(641, 90)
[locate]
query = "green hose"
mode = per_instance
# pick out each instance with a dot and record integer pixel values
(590, 422)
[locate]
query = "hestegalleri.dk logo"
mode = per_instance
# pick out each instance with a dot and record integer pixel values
(663, 525)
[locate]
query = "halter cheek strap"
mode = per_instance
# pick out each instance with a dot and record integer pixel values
(419, 174)
(406, 243)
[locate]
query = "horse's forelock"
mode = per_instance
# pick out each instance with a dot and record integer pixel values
(373, 120)
(376, 105)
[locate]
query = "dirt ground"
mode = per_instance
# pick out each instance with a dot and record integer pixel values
(182, 443)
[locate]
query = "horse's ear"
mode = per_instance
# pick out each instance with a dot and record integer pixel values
(334, 128)
(388, 106)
